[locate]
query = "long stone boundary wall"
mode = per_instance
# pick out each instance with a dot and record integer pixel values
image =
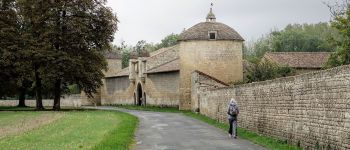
(311, 110)
(66, 101)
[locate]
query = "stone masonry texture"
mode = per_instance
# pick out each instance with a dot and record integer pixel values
(219, 59)
(311, 110)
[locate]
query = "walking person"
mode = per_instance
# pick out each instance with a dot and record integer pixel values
(232, 112)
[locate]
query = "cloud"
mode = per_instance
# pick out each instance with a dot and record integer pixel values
(152, 20)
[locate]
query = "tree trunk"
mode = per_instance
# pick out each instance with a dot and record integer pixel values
(57, 92)
(22, 97)
(38, 87)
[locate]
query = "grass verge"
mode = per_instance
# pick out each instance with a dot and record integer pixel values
(265, 141)
(75, 130)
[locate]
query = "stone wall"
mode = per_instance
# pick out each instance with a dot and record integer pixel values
(92, 101)
(118, 90)
(66, 101)
(201, 83)
(162, 89)
(219, 59)
(307, 110)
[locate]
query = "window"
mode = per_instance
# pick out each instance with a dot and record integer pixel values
(212, 35)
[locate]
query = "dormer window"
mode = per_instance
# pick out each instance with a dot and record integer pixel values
(212, 35)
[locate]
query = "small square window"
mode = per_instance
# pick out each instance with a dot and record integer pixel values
(212, 35)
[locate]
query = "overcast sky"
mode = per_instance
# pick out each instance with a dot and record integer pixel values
(152, 20)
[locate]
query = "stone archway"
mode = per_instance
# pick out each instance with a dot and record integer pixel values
(139, 94)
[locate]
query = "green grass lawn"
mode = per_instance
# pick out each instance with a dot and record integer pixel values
(7, 118)
(265, 141)
(73, 130)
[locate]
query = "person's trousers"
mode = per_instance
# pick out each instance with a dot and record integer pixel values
(233, 127)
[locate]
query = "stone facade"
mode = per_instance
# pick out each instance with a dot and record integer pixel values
(219, 59)
(134, 85)
(164, 77)
(307, 110)
(162, 89)
(117, 91)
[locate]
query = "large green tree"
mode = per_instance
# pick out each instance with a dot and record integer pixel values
(15, 74)
(8, 35)
(35, 26)
(67, 41)
(341, 21)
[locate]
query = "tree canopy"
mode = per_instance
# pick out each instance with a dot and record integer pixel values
(318, 37)
(142, 45)
(60, 42)
(341, 21)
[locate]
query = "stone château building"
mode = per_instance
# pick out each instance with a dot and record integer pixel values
(164, 77)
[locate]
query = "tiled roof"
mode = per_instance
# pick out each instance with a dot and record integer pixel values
(123, 72)
(210, 77)
(164, 49)
(170, 65)
(200, 32)
(299, 59)
(173, 65)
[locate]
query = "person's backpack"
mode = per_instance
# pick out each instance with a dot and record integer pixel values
(232, 110)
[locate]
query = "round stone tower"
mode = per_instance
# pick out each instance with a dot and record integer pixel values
(212, 48)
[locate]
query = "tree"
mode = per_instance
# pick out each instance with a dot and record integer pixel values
(35, 37)
(67, 41)
(143, 46)
(341, 21)
(266, 70)
(296, 38)
(9, 36)
(82, 31)
(15, 74)
(169, 40)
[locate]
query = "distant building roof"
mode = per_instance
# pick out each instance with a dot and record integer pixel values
(310, 60)
(170, 66)
(112, 55)
(123, 72)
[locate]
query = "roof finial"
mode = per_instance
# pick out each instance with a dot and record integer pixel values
(211, 17)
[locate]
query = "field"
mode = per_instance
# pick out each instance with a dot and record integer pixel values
(81, 129)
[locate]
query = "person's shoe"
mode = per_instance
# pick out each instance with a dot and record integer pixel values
(235, 137)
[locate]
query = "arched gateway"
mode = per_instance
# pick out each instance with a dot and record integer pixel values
(139, 95)
(209, 47)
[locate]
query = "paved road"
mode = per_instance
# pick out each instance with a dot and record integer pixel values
(172, 131)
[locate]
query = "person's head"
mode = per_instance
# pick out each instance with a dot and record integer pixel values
(233, 101)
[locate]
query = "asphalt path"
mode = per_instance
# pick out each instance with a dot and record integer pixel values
(174, 131)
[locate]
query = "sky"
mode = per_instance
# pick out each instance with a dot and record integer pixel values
(152, 20)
